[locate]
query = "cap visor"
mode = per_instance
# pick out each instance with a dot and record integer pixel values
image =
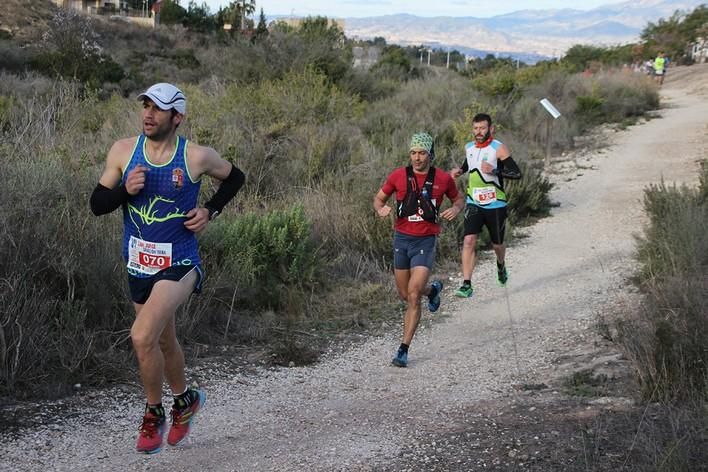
(155, 100)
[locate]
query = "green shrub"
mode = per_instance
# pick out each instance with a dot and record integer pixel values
(434, 104)
(589, 107)
(12, 56)
(535, 74)
(674, 242)
(528, 196)
(500, 81)
(626, 95)
(266, 253)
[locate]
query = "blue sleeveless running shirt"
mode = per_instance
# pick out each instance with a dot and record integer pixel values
(154, 235)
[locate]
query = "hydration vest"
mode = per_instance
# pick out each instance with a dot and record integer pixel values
(418, 202)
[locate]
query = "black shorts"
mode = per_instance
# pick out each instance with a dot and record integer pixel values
(493, 218)
(140, 288)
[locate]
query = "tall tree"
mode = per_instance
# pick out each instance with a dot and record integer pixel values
(172, 13)
(262, 28)
(237, 12)
(248, 8)
(199, 17)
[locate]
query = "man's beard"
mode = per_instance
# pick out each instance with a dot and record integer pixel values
(159, 133)
(485, 137)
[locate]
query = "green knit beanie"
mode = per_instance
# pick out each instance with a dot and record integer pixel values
(422, 141)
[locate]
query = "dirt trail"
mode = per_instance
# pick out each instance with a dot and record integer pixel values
(353, 411)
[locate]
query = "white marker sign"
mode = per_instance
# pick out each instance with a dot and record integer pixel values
(550, 108)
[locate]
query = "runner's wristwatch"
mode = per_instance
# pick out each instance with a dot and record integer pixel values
(213, 213)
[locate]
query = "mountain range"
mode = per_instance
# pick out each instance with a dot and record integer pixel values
(526, 34)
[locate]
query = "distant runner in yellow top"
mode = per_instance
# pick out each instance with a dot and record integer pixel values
(660, 67)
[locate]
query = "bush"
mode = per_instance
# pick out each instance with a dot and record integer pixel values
(13, 58)
(434, 104)
(268, 254)
(70, 50)
(394, 62)
(529, 196)
(52, 319)
(674, 242)
(626, 96)
(589, 106)
(666, 341)
(500, 81)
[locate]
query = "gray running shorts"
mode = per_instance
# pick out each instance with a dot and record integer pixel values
(412, 251)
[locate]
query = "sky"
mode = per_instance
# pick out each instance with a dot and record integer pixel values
(363, 8)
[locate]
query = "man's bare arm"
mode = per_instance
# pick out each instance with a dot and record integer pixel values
(380, 206)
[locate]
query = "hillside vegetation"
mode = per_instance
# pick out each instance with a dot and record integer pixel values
(299, 257)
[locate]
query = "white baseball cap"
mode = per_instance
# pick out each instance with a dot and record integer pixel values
(166, 97)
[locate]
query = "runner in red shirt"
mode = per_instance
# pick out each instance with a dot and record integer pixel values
(420, 189)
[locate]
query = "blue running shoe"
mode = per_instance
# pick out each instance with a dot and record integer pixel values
(401, 359)
(434, 296)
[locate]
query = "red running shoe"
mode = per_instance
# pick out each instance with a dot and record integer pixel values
(182, 418)
(151, 432)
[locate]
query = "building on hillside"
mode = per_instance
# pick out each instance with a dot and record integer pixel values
(96, 5)
(699, 50)
(296, 22)
(118, 9)
(80, 5)
(366, 57)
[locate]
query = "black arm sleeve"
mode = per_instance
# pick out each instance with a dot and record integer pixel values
(464, 167)
(508, 169)
(105, 200)
(227, 190)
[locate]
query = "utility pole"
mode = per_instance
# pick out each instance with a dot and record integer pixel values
(447, 66)
(421, 55)
(429, 51)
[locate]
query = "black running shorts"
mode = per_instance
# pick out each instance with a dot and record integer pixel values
(140, 288)
(493, 218)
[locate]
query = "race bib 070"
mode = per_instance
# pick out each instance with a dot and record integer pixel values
(484, 195)
(148, 257)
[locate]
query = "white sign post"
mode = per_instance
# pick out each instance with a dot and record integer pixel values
(555, 114)
(550, 108)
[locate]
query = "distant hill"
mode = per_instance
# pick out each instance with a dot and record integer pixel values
(529, 33)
